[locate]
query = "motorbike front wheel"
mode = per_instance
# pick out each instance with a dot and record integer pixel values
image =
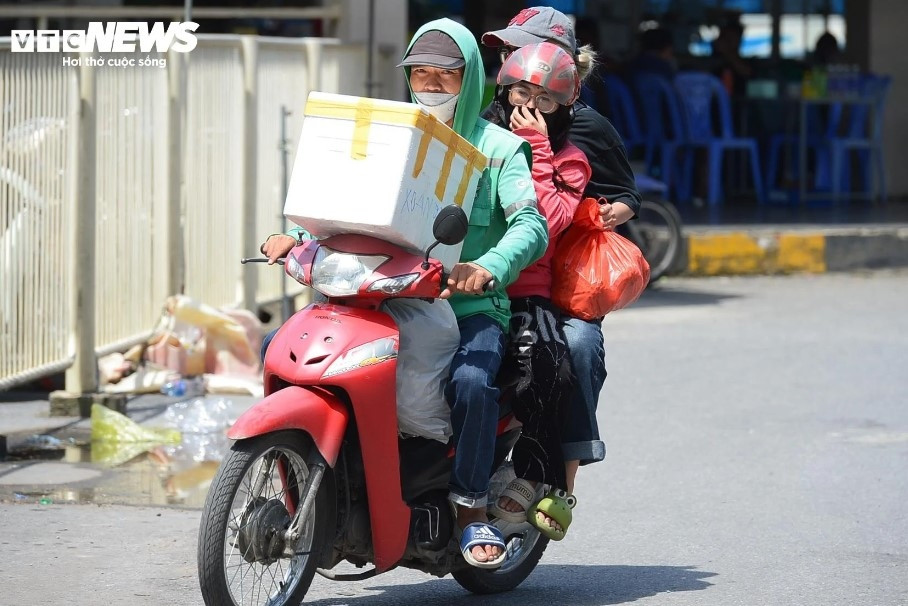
(243, 557)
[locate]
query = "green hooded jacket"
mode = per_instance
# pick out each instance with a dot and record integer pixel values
(506, 232)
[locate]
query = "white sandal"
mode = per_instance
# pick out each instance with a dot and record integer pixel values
(521, 492)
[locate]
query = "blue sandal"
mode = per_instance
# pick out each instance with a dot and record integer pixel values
(481, 533)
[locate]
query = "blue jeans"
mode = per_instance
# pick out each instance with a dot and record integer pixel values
(473, 398)
(580, 432)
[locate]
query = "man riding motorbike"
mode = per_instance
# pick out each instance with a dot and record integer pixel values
(506, 234)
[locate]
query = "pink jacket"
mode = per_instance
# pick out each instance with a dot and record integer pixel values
(557, 206)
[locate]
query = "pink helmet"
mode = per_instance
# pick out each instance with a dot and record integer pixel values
(546, 65)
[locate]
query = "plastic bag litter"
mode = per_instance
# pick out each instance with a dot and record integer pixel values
(111, 426)
(115, 438)
(195, 448)
(429, 338)
(200, 415)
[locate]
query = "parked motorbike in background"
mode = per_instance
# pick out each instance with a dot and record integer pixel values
(318, 474)
(657, 229)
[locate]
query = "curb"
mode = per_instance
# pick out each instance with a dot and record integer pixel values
(768, 251)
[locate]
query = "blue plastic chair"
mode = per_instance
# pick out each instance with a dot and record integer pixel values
(820, 130)
(664, 132)
(862, 136)
(622, 113)
(699, 93)
(650, 186)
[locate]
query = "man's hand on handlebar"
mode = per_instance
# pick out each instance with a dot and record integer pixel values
(277, 246)
(468, 278)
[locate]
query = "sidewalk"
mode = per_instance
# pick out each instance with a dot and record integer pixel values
(742, 239)
(780, 249)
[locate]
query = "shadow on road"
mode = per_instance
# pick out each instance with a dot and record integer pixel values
(549, 584)
(661, 296)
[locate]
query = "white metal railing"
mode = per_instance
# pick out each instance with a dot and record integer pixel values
(215, 141)
(130, 200)
(284, 72)
(38, 111)
(122, 185)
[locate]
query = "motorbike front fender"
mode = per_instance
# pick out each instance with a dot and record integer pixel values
(315, 411)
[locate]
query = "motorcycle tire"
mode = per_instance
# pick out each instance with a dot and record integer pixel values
(522, 559)
(657, 233)
(241, 559)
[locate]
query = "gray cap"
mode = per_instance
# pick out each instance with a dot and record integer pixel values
(436, 49)
(532, 26)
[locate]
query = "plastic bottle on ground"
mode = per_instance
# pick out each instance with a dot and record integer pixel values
(188, 387)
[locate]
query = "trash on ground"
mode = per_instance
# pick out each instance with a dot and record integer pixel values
(191, 339)
(144, 380)
(189, 387)
(38, 447)
(187, 467)
(111, 426)
(113, 367)
(201, 415)
(115, 438)
(42, 442)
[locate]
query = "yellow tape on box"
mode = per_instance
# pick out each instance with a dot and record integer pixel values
(364, 112)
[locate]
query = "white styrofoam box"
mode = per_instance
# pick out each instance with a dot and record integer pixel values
(379, 168)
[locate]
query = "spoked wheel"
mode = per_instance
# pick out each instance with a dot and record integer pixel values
(657, 232)
(244, 556)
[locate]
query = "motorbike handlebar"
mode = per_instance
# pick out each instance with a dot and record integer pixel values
(492, 284)
(245, 260)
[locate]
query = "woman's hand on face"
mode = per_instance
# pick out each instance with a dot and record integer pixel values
(524, 117)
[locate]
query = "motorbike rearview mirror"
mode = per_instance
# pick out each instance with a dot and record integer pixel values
(449, 228)
(450, 225)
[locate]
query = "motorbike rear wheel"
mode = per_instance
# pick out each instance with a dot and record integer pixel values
(524, 552)
(243, 558)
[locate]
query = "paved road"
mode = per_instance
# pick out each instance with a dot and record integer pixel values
(758, 446)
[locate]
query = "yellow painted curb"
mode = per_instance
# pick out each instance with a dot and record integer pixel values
(738, 253)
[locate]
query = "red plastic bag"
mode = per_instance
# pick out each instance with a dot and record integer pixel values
(596, 271)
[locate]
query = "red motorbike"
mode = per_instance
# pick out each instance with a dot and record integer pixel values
(318, 473)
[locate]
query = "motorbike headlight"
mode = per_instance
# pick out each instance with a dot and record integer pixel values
(368, 354)
(392, 286)
(294, 268)
(338, 274)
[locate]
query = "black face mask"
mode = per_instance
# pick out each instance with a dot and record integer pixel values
(558, 122)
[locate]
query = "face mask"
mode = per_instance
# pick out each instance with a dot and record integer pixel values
(440, 105)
